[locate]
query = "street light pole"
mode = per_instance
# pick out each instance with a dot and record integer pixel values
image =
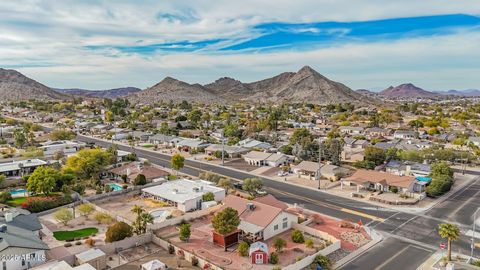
(472, 245)
(319, 173)
(223, 149)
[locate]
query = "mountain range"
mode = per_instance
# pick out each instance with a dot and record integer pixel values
(463, 93)
(110, 93)
(306, 85)
(406, 90)
(15, 86)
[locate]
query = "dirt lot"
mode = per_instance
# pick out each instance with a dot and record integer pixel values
(240, 164)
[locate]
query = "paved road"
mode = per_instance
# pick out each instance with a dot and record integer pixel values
(415, 235)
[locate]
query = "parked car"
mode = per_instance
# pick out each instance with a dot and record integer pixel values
(261, 192)
(238, 185)
(282, 173)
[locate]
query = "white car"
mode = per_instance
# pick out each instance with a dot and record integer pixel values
(282, 173)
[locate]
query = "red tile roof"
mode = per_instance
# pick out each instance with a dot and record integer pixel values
(365, 176)
(262, 215)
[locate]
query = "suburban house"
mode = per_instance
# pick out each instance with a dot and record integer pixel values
(63, 147)
(184, 194)
(309, 169)
(254, 144)
(231, 150)
(19, 235)
(262, 218)
(21, 167)
(133, 169)
(351, 143)
(386, 182)
(165, 140)
(407, 168)
(375, 132)
(257, 158)
(405, 134)
(192, 144)
(351, 130)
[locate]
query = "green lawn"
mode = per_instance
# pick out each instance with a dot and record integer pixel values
(148, 145)
(67, 235)
(16, 201)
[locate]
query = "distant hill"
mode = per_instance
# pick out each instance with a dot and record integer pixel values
(406, 90)
(110, 93)
(16, 86)
(367, 93)
(464, 93)
(175, 90)
(306, 85)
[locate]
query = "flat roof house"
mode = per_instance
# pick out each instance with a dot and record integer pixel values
(232, 151)
(251, 143)
(405, 134)
(192, 144)
(310, 169)
(20, 167)
(65, 147)
(262, 218)
(184, 194)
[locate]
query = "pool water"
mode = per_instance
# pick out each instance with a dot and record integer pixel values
(20, 191)
(115, 187)
(424, 179)
(160, 214)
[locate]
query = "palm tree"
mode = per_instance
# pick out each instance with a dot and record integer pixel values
(451, 232)
(145, 218)
(137, 210)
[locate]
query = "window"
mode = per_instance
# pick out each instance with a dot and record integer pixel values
(285, 224)
(4, 266)
(285, 219)
(275, 227)
(23, 262)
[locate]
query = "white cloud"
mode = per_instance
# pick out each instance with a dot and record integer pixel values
(53, 33)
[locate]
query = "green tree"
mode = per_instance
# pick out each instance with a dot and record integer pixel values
(85, 209)
(140, 180)
(194, 116)
(177, 162)
(109, 117)
(243, 249)
(142, 220)
(20, 139)
(63, 216)
(42, 180)
(118, 231)
(279, 244)
(451, 232)
(185, 232)
(207, 197)
(300, 134)
(225, 183)
(323, 261)
(2, 179)
(62, 134)
(226, 221)
(375, 155)
(88, 163)
(251, 185)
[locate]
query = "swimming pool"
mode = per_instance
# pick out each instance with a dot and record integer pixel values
(160, 214)
(115, 187)
(423, 179)
(20, 191)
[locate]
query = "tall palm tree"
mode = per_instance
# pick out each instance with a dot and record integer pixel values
(451, 232)
(137, 210)
(145, 218)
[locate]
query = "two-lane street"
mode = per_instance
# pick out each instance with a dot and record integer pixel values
(416, 235)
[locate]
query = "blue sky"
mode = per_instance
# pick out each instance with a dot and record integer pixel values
(371, 44)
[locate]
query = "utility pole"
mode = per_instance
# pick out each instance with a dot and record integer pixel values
(223, 148)
(319, 173)
(472, 245)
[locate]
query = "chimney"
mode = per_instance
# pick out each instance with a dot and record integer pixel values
(8, 217)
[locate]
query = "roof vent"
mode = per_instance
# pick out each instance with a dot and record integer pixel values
(3, 228)
(175, 191)
(8, 217)
(250, 206)
(196, 189)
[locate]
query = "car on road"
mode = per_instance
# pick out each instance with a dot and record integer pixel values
(282, 173)
(261, 192)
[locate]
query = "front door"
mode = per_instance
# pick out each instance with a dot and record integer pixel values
(259, 258)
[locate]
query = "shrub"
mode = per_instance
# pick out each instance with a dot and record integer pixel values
(273, 258)
(85, 209)
(118, 231)
(63, 216)
(39, 204)
(243, 249)
(67, 245)
(103, 218)
(279, 244)
(171, 249)
(207, 197)
(309, 243)
(140, 180)
(185, 232)
(393, 189)
(297, 236)
(323, 261)
(78, 243)
(194, 261)
(5, 196)
(90, 242)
